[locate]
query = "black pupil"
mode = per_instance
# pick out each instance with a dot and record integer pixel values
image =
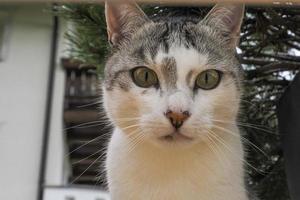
(146, 76)
(206, 78)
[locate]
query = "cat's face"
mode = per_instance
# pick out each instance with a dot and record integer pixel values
(171, 83)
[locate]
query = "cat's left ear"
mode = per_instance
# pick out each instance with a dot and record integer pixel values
(228, 19)
(123, 17)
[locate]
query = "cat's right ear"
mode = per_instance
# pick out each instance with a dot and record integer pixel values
(123, 17)
(227, 18)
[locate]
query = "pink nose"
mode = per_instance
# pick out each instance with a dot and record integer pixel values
(177, 118)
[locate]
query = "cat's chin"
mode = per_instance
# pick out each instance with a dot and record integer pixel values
(175, 139)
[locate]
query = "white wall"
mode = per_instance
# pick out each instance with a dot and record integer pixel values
(23, 88)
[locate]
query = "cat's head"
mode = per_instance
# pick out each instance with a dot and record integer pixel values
(172, 82)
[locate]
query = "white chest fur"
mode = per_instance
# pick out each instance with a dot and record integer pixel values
(151, 173)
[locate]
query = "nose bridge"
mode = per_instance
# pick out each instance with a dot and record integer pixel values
(178, 102)
(178, 108)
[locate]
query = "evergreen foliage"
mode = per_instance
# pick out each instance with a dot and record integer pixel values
(87, 33)
(269, 48)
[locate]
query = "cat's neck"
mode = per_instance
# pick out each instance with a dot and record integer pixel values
(205, 164)
(222, 145)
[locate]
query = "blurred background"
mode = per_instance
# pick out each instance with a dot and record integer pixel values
(52, 131)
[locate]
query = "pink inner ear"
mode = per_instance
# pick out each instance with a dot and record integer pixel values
(112, 22)
(122, 18)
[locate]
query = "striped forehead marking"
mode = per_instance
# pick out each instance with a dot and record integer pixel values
(169, 72)
(182, 62)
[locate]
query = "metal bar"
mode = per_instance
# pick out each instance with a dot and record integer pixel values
(46, 134)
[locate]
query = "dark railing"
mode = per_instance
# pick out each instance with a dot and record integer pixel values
(84, 129)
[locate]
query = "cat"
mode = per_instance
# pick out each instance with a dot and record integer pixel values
(172, 91)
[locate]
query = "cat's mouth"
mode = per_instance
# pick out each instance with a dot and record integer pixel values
(176, 136)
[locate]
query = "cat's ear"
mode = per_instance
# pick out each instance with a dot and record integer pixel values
(123, 17)
(227, 18)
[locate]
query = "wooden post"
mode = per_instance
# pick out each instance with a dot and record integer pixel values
(170, 2)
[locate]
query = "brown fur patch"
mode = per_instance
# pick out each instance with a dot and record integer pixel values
(189, 78)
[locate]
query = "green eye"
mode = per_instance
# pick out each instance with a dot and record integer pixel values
(144, 77)
(208, 80)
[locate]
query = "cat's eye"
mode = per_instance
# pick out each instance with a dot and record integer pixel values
(144, 77)
(208, 80)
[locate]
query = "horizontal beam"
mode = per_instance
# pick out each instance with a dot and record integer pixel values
(170, 2)
(81, 116)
